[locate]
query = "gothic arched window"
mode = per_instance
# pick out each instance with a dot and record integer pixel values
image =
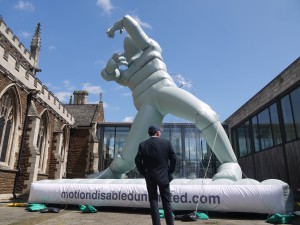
(42, 142)
(64, 143)
(6, 127)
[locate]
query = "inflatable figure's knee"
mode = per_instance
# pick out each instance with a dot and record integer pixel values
(206, 119)
(230, 171)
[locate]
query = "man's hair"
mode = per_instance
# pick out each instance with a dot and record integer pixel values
(152, 130)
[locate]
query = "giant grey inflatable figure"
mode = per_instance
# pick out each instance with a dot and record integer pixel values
(155, 94)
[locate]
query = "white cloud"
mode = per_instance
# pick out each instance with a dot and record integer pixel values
(105, 5)
(105, 105)
(126, 94)
(25, 34)
(141, 23)
(67, 85)
(52, 48)
(25, 5)
(63, 96)
(128, 119)
(115, 108)
(66, 82)
(119, 87)
(92, 89)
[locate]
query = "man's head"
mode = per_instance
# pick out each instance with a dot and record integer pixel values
(154, 131)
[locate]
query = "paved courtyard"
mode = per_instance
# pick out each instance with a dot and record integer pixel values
(71, 215)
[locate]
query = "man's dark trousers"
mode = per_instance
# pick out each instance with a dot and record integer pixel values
(165, 195)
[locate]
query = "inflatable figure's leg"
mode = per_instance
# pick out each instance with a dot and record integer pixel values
(124, 163)
(184, 105)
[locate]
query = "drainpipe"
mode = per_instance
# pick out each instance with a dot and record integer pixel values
(19, 172)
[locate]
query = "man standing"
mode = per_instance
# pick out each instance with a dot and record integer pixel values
(156, 161)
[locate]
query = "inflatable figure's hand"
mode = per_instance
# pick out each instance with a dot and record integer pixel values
(111, 71)
(120, 59)
(114, 62)
(117, 26)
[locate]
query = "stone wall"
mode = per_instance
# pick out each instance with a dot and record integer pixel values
(78, 153)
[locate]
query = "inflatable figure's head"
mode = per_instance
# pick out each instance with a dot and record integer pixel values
(131, 50)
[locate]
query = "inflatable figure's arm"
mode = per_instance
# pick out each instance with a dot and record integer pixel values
(111, 70)
(132, 27)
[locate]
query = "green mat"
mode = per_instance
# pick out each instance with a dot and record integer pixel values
(280, 219)
(33, 207)
(87, 209)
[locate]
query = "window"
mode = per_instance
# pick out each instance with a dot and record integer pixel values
(275, 124)
(242, 143)
(262, 131)
(192, 151)
(264, 128)
(295, 100)
(255, 132)
(121, 134)
(288, 120)
(42, 143)
(265, 131)
(17, 65)
(174, 135)
(64, 143)
(108, 145)
(6, 126)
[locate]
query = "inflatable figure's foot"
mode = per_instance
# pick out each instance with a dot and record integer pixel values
(230, 171)
(107, 174)
(117, 169)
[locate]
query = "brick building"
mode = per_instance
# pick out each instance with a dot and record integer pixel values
(84, 156)
(265, 131)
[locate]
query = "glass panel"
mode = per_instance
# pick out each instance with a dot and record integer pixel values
(166, 133)
(108, 145)
(177, 145)
(295, 98)
(6, 122)
(121, 134)
(265, 132)
(5, 141)
(41, 142)
(2, 123)
(275, 125)
(255, 130)
(191, 152)
(288, 120)
(243, 139)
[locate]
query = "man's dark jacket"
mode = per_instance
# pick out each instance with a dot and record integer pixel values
(156, 160)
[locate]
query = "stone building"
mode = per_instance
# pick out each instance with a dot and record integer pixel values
(84, 156)
(265, 131)
(34, 125)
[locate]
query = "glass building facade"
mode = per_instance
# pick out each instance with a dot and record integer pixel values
(194, 157)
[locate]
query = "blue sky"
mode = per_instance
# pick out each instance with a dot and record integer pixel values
(225, 50)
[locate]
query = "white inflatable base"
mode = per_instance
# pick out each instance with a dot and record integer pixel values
(186, 194)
